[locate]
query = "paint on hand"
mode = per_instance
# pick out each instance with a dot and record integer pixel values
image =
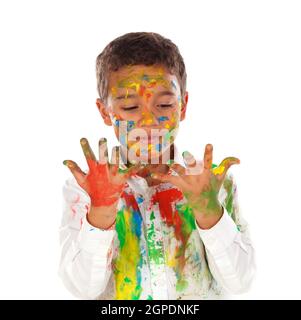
(101, 191)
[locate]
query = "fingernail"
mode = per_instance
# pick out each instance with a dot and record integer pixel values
(83, 141)
(65, 162)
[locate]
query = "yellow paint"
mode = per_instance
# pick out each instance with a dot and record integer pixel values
(126, 277)
(171, 261)
(218, 170)
(114, 91)
(148, 118)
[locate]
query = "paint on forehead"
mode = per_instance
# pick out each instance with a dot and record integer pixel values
(142, 82)
(114, 91)
(136, 81)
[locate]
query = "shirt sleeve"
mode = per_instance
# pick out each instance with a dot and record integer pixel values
(228, 245)
(85, 250)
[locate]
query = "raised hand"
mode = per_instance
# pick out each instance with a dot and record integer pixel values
(104, 181)
(200, 183)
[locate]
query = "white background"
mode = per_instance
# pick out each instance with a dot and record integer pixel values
(244, 79)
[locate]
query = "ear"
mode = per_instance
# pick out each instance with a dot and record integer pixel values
(104, 111)
(184, 106)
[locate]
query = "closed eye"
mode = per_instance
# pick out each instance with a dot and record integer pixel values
(166, 105)
(130, 108)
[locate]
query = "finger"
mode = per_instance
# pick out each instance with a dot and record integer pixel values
(89, 155)
(131, 170)
(103, 151)
(225, 165)
(189, 159)
(115, 155)
(175, 180)
(208, 156)
(115, 159)
(180, 170)
(78, 174)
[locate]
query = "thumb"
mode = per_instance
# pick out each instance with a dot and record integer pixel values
(76, 171)
(225, 165)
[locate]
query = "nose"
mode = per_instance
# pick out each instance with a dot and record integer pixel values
(148, 119)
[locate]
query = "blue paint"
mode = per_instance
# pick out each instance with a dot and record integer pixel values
(145, 77)
(123, 140)
(162, 118)
(130, 125)
(140, 199)
(136, 226)
(158, 147)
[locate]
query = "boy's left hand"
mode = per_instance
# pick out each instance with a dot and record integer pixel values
(200, 183)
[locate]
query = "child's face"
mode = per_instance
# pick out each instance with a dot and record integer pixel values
(144, 106)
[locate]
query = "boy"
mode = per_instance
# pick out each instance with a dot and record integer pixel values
(148, 224)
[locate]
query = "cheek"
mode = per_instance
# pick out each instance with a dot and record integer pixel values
(170, 122)
(122, 128)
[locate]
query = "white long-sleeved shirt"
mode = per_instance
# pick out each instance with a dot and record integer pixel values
(156, 250)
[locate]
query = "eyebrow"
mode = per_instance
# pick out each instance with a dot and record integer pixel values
(159, 94)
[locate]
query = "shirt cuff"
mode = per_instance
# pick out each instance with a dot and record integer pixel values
(218, 238)
(94, 240)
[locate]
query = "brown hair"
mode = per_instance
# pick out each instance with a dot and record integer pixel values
(135, 48)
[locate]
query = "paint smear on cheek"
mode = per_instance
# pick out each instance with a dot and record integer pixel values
(122, 128)
(163, 118)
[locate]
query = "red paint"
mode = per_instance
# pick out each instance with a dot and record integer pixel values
(170, 214)
(165, 200)
(141, 90)
(152, 84)
(75, 201)
(101, 191)
(130, 201)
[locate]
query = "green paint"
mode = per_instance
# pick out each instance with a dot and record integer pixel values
(181, 285)
(155, 251)
(152, 216)
(127, 266)
(127, 280)
(228, 185)
(186, 213)
(207, 202)
(137, 292)
(120, 228)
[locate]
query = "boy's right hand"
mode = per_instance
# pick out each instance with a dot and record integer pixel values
(103, 182)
